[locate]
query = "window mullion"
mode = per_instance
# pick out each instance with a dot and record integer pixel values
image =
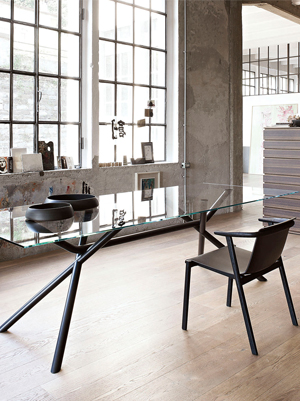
(59, 79)
(36, 79)
(11, 78)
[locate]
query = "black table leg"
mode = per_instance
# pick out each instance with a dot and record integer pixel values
(66, 319)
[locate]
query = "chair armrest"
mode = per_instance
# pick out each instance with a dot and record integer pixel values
(236, 234)
(272, 220)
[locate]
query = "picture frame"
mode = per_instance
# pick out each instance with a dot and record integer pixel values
(155, 175)
(147, 151)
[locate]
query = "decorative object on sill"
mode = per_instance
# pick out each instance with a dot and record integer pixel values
(154, 176)
(85, 188)
(125, 160)
(16, 154)
(141, 123)
(47, 152)
(117, 126)
(111, 164)
(69, 162)
(147, 151)
(3, 165)
(62, 162)
(142, 219)
(149, 111)
(32, 162)
(141, 160)
(10, 164)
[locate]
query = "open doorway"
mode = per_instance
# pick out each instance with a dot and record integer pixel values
(271, 79)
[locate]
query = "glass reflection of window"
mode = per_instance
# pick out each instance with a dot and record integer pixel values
(40, 73)
(135, 208)
(132, 70)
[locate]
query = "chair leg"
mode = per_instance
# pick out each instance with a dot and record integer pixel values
(246, 317)
(186, 296)
(229, 292)
(288, 295)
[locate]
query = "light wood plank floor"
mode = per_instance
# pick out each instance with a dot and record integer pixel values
(126, 342)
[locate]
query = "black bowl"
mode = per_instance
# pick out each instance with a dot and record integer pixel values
(78, 201)
(49, 212)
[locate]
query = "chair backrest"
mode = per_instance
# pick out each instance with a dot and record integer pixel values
(268, 246)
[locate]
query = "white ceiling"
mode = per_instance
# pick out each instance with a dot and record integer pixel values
(265, 28)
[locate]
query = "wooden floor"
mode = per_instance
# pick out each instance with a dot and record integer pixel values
(126, 342)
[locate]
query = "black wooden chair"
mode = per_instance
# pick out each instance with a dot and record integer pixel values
(244, 266)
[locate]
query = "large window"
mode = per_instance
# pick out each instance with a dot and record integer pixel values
(40, 75)
(132, 71)
(271, 70)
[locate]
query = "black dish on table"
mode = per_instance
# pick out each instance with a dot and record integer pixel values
(77, 201)
(49, 212)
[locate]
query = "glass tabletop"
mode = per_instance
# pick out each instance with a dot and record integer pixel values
(126, 209)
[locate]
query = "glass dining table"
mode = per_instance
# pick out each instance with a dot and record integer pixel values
(92, 229)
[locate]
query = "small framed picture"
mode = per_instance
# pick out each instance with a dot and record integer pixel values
(149, 179)
(147, 151)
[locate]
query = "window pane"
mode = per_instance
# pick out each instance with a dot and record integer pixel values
(124, 63)
(124, 23)
(158, 68)
(23, 48)
(23, 136)
(106, 144)
(158, 139)
(69, 101)
(142, 72)
(159, 5)
(24, 11)
(142, 3)
(124, 147)
(69, 141)
(48, 106)
(107, 19)
(4, 96)
(158, 31)
(69, 55)
(5, 8)
(49, 13)
(23, 98)
(159, 110)
(70, 15)
(282, 50)
(142, 34)
(106, 102)
(293, 49)
(124, 103)
(4, 139)
(141, 97)
(106, 60)
(4, 44)
(48, 51)
(273, 51)
(48, 133)
(140, 135)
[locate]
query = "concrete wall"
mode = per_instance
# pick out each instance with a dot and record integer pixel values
(214, 119)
